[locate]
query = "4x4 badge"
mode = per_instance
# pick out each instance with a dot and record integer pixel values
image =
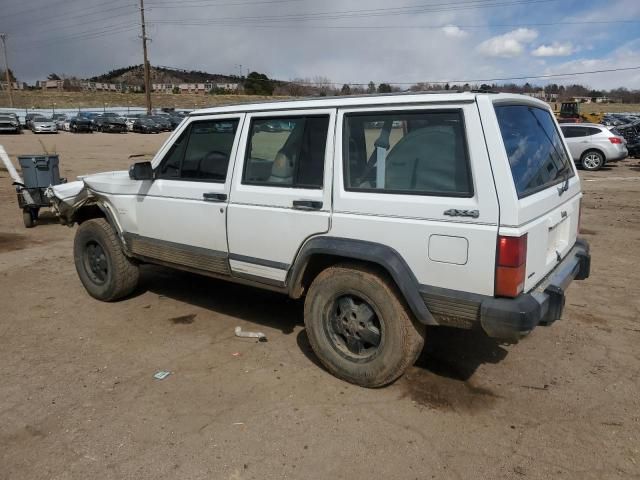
(453, 212)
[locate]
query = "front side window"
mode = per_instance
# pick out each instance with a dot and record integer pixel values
(201, 153)
(286, 152)
(536, 153)
(407, 152)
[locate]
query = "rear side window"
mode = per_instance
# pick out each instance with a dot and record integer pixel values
(407, 152)
(593, 130)
(287, 152)
(536, 153)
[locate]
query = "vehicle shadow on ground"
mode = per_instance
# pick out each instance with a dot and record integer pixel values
(47, 218)
(448, 352)
(249, 304)
(457, 353)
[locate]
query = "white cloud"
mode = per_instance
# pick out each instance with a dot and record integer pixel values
(626, 55)
(554, 50)
(510, 44)
(454, 31)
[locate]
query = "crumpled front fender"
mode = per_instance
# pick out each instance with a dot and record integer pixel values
(68, 198)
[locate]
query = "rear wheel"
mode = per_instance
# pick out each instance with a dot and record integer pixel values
(592, 160)
(104, 270)
(359, 327)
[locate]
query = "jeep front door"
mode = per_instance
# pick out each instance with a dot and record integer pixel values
(182, 213)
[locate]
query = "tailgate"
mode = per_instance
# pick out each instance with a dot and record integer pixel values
(550, 237)
(539, 190)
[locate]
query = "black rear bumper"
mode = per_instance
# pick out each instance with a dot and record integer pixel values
(511, 319)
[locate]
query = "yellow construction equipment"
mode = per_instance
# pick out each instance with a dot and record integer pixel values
(570, 113)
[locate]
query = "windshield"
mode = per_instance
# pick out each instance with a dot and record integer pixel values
(534, 146)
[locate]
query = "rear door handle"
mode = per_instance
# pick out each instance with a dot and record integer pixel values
(214, 197)
(307, 205)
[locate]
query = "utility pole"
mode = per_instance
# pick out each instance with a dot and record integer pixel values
(3, 36)
(147, 76)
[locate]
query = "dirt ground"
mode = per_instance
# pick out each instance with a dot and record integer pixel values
(78, 399)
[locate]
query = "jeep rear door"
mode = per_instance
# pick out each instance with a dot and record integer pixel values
(281, 191)
(539, 189)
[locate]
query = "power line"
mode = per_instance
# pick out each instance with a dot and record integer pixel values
(13, 14)
(485, 80)
(200, 4)
(74, 20)
(375, 12)
(404, 27)
(87, 35)
(440, 82)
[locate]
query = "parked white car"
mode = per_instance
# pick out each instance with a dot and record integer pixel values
(387, 213)
(129, 120)
(592, 145)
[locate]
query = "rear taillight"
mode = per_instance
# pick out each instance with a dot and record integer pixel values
(511, 266)
(615, 140)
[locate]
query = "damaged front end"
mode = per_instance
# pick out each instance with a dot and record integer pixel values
(68, 198)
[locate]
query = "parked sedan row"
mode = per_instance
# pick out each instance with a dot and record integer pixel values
(108, 122)
(153, 123)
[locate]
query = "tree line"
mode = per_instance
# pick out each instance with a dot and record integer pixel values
(256, 83)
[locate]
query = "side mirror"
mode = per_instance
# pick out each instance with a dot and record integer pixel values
(141, 171)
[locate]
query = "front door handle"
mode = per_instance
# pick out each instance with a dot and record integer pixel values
(307, 205)
(214, 197)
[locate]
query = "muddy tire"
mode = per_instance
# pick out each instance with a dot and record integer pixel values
(105, 271)
(359, 326)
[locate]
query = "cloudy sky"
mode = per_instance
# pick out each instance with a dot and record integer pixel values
(358, 41)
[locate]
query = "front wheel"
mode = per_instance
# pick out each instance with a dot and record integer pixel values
(105, 271)
(359, 327)
(592, 160)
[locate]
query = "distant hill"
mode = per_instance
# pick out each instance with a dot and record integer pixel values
(134, 75)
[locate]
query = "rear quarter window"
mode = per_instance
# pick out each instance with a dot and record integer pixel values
(534, 147)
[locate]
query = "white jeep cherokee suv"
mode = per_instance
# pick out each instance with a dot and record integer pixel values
(387, 213)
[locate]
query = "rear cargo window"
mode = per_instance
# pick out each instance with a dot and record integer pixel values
(534, 147)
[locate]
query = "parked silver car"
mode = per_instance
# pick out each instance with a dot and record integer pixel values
(59, 119)
(593, 145)
(43, 125)
(9, 123)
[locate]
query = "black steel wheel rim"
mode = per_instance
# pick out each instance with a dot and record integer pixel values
(96, 263)
(353, 327)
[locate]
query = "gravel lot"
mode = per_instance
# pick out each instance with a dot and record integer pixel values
(78, 399)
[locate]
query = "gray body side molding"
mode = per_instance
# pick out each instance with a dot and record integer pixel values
(382, 255)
